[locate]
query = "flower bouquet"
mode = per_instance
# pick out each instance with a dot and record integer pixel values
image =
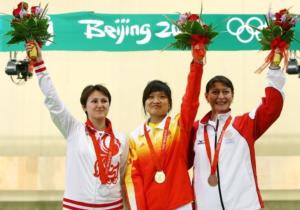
(29, 27)
(193, 32)
(277, 37)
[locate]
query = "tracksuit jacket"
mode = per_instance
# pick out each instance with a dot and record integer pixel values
(83, 189)
(237, 187)
(176, 192)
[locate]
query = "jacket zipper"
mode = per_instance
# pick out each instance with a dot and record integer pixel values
(219, 185)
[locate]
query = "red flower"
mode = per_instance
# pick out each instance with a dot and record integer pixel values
(36, 10)
(286, 26)
(23, 5)
(17, 12)
(283, 11)
(279, 14)
(193, 17)
(278, 23)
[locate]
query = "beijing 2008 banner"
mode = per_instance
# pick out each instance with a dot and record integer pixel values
(89, 31)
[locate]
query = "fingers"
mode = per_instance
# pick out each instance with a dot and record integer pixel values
(33, 50)
(29, 46)
(198, 53)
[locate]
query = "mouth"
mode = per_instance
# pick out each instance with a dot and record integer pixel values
(100, 110)
(221, 103)
(156, 107)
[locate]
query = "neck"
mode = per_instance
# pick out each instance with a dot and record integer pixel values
(99, 125)
(156, 119)
(213, 116)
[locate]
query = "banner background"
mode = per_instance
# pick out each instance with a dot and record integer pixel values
(89, 31)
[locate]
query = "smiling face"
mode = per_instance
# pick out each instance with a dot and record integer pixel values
(157, 100)
(220, 97)
(97, 106)
(157, 105)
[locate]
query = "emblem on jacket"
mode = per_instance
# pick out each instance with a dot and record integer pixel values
(200, 141)
(112, 170)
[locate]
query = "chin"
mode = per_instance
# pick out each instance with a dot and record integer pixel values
(221, 111)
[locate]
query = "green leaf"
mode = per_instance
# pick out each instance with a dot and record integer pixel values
(276, 31)
(197, 28)
(188, 27)
(288, 36)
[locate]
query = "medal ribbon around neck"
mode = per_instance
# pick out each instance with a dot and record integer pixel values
(214, 162)
(103, 167)
(158, 160)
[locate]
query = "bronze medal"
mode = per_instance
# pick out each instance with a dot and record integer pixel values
(212, 180)
(160, 177)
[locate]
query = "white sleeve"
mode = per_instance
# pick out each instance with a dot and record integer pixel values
(63, 120)
(124, 157)
(276, 79)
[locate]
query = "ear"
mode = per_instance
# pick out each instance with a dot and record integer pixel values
(83, 108)
(206, 96)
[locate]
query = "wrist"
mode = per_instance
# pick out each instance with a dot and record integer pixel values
(274, 66)
(197, 61)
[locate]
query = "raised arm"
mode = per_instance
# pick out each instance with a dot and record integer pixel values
(63, 120)
(190, 100)
(254, 124)
(271, 105)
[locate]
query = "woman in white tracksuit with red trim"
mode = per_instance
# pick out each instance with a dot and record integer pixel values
(225, 175)
(96, 154)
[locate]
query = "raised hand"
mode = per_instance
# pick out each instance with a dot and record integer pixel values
(33, 45)
(198, 52)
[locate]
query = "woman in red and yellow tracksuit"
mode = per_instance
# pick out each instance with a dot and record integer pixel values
(157, 173)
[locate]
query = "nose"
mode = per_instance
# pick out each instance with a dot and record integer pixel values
(221, 95)
(99, 104)
(156, 100)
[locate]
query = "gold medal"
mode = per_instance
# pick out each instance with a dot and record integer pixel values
(160, 177)
(212, 180)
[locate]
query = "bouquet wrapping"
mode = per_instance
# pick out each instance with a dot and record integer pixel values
(29, 26)
(277, 37)
(194, 33)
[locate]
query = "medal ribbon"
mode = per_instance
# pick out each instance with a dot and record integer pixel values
(103, 167)
(214, 163)
(158, 160)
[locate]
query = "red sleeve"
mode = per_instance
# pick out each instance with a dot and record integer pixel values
(190, 100)
(134, 184)
(252, 127)
(191, 152)
(268, 112)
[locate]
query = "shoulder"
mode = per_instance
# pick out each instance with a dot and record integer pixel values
(121, 136)
(134, 135)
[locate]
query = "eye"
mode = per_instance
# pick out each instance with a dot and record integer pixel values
(215, 92)
(104, 100)
(94, 101)
(151, 97)
(226, 92)
(163, 96)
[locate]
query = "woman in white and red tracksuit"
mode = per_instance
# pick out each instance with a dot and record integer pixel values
(92, 181)
(225, 174)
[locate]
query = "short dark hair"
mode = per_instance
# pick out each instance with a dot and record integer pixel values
(219, 78)
(154, 86)
(88, 90)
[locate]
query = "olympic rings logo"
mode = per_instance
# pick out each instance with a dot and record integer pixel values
(245, 27)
